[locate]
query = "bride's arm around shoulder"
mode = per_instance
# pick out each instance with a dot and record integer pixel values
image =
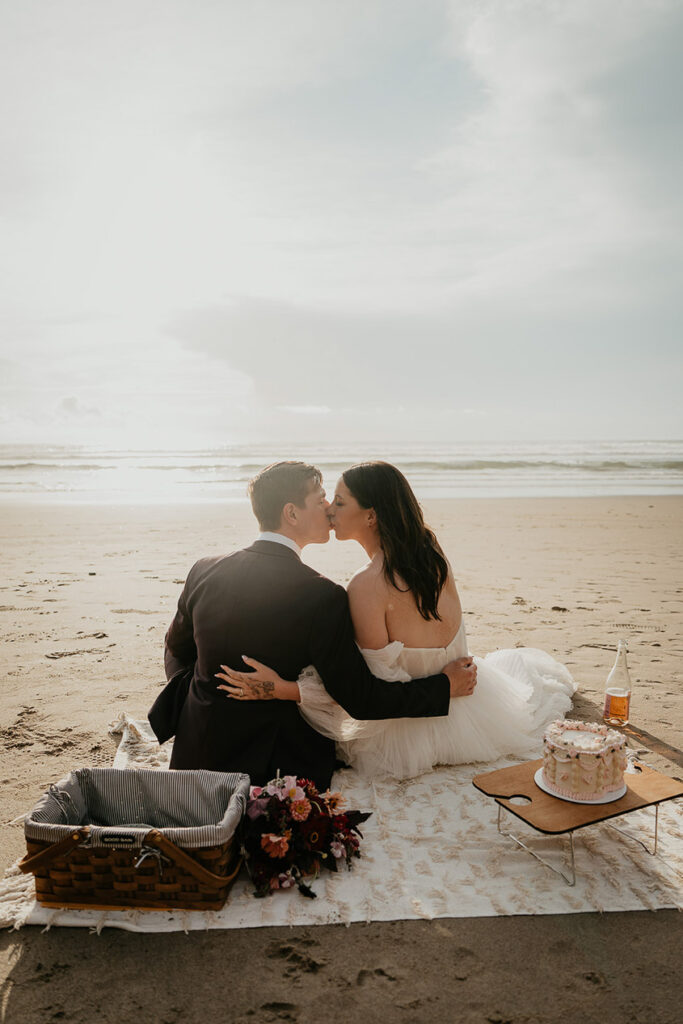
(368, 605)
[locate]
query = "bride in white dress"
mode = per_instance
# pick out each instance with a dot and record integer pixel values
(408, 623)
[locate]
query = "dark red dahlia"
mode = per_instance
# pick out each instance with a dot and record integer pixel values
(315, 831)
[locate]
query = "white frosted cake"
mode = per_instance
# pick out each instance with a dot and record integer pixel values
(583, 761)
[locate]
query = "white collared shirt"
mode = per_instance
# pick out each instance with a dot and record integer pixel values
(278, 538)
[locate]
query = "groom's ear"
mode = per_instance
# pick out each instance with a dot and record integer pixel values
(288, 516)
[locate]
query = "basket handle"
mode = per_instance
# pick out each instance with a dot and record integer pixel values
(182, 859)
(61, 849)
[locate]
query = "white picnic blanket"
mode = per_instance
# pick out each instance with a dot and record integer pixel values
(431, 849)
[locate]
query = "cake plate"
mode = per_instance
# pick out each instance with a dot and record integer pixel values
(606, 799)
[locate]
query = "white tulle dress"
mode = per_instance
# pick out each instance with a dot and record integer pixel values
(518, 693)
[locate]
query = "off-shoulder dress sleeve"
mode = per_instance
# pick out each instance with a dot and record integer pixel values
(326, 716)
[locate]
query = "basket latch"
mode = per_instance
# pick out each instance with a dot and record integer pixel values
(152, 851)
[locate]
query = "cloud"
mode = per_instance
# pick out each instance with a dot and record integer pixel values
(227, 218)
(404, 373)
(543, 182)
(372, 156)
(120, 383)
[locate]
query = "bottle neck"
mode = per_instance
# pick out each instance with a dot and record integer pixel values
(620, 676)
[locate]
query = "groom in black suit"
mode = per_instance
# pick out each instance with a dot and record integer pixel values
(265, 603)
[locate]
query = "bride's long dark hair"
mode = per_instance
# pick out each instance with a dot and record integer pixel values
(413, 559)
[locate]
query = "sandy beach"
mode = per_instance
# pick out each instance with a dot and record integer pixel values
(87, 594)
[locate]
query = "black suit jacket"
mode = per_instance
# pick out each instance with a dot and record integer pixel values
(265, 603)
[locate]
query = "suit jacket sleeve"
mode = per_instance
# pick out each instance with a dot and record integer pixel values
(348, 679)
(180, 650)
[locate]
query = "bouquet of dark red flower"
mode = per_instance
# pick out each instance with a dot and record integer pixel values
(292, 831)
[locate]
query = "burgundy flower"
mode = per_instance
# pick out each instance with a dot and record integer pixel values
(315, 831)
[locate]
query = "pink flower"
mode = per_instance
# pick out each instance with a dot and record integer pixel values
(300, 809)
(255, 791)
(285, 788)
(290, 789)
(286, 881)
(255, 808)
(275, 846)
(337, 848)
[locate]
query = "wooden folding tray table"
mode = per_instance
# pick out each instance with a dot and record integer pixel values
(554, 816)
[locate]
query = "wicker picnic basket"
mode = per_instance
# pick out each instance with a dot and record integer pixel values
(106, 838)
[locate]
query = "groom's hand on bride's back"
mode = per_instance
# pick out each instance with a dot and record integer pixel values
(462, 675)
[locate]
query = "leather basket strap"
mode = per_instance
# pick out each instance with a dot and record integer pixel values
(61, 849)
(183, 860)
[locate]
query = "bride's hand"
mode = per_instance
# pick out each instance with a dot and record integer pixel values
(263, 683)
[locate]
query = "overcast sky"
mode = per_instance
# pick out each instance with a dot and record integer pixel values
(340, 219)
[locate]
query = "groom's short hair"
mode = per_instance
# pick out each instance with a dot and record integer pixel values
(277, 485)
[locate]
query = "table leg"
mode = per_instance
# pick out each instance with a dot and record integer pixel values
(629, 835)
(569, 879)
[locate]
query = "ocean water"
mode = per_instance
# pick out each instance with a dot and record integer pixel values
(95, 475)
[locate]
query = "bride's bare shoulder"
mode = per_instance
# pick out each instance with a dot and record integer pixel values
(366, 581)
(367, 602)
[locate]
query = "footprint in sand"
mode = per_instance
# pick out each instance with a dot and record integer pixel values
(133, 611)
(371, 973)
(281, 1011)
(297, 962)
(53, 655)
(29, 729)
